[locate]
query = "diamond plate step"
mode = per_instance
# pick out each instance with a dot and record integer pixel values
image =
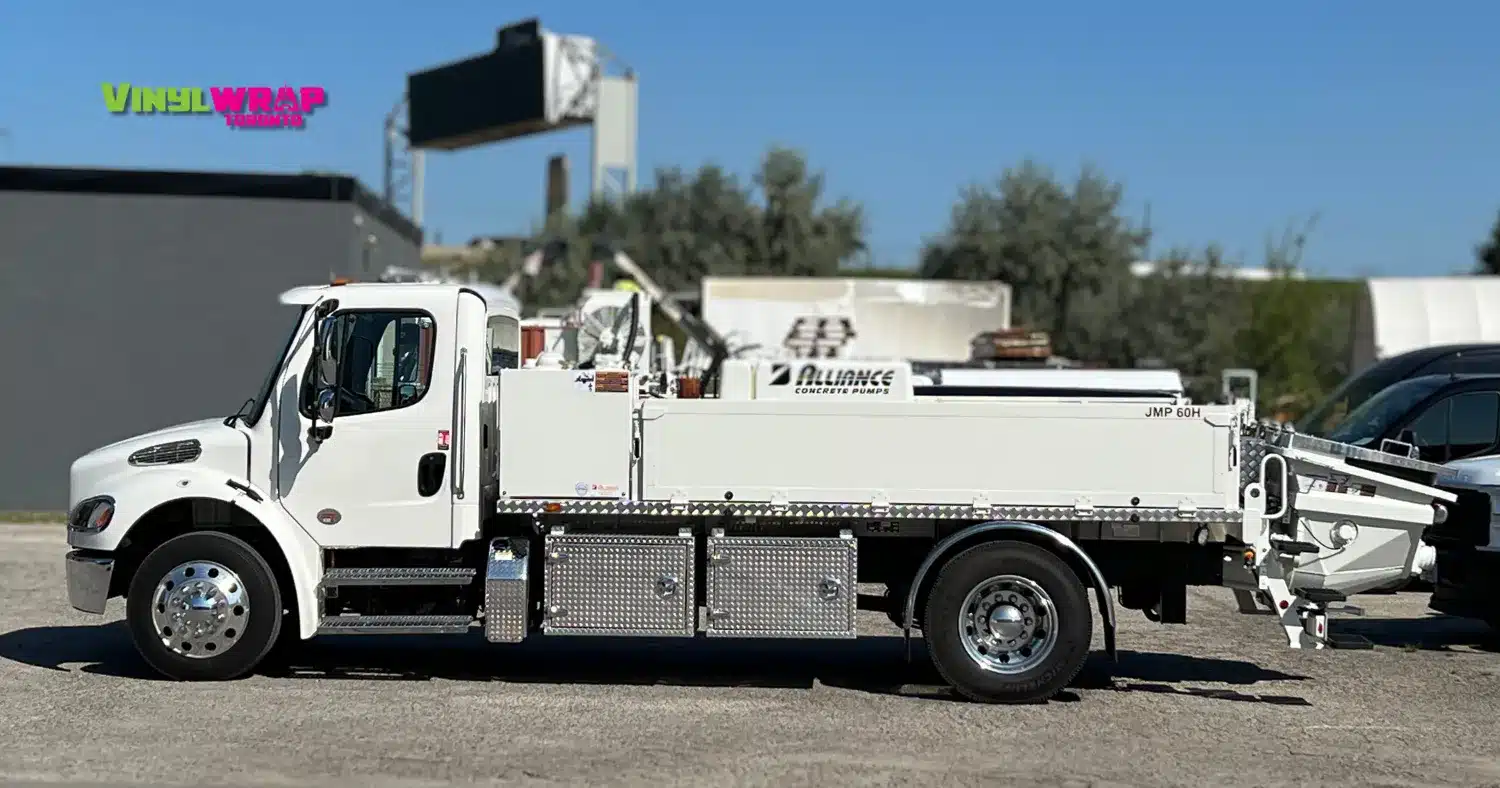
(394, 625)
(398, 576)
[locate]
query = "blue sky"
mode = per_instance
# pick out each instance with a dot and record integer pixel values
(1381, 117)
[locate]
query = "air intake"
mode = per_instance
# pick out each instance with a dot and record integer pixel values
(168, 453)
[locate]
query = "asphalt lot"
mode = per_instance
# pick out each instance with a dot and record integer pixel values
(1219, 701)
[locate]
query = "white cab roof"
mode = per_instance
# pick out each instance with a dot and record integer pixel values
(309, 294)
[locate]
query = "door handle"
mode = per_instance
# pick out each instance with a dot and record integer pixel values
(430, 473)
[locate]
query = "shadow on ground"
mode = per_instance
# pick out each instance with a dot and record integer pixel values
(1429, 633)
(870, 664)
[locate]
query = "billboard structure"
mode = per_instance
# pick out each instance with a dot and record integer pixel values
(533, 81)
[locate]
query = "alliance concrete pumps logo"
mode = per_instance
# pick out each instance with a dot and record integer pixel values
(247, 107)
(817, 379)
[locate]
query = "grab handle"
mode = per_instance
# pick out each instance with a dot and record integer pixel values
(1264, 462)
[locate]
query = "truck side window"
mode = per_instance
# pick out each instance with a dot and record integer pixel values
(385, 362)
(1463, 425)
(1430, 431)
(1473, 425)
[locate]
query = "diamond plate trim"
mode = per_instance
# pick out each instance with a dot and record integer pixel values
(1035, 514)
(506, 592)
(394, 625)
(397, 576)
(620, 584)
(780, 587)
(1252, 451)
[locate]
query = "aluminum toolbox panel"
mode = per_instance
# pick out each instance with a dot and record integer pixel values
(781, 587)
(507, 603)
(597, 584)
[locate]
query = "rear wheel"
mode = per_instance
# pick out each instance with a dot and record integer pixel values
(1008, 622)
(204, 607)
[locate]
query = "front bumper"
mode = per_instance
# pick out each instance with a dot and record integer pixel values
(1467, 583)
(88, 580)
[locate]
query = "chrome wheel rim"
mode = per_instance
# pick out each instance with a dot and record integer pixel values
(1008, 624)
(200, 609)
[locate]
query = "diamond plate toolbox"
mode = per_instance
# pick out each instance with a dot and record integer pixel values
(780, 587)
(507, 607)
(607, 584)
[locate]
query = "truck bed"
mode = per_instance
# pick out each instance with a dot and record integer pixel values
(1039, 453)
(601, 443)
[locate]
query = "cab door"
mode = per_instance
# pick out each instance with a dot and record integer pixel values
(378, 474)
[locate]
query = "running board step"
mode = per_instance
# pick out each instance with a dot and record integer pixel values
(394, 625)
(398, 576)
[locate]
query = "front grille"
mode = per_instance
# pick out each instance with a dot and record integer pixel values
(1468, 522)
(168, 453)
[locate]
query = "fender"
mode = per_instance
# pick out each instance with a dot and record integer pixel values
(1060, 543)
(136, 494)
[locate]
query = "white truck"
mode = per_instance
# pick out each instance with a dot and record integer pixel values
(401, 471)
(1466, 577)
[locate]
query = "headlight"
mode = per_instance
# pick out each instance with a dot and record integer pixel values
(92, 515)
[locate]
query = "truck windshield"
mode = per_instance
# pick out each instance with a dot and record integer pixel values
(1380, 412)
(252, 415)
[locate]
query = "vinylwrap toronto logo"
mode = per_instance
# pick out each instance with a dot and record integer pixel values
(247, 107)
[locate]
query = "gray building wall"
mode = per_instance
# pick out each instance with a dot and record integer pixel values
(126, 313)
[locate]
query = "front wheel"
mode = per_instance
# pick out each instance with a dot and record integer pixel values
(1008, 622)
(204, 606)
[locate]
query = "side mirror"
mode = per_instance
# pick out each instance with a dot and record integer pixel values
(326, 351)
(327, 405)
(324, 409)
(326, 375)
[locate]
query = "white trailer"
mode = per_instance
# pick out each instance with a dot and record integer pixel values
(451, 486)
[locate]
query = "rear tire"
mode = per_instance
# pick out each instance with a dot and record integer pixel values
(1008, 622)
(204, 606)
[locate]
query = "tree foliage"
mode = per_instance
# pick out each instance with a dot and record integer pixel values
(1487, 254)
(1067, 252)
(1066, 249)
(1062, 249)
(692, 224)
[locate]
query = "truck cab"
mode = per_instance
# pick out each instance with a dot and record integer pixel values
(391, 455)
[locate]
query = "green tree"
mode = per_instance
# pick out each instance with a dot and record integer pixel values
(688, 225)
(1185, 314)
(1487, 254)
(1065, 251)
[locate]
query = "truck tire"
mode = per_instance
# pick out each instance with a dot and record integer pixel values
(1008, 622)
(204, 606)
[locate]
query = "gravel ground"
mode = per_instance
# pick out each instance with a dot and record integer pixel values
(1218, 701)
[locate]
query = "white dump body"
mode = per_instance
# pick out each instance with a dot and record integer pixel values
(851, 432)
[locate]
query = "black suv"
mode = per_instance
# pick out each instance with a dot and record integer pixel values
(1447, 417)
(1468, 359)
